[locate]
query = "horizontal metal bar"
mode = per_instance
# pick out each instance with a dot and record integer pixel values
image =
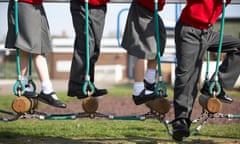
(126, 1)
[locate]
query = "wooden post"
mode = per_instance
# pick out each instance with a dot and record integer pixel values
(90, 105)
(211, 104)
(23, 104)
(160, 105)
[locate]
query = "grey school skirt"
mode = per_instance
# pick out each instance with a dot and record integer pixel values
(139, 37)
(34, 35)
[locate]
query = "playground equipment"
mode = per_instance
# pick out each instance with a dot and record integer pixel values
(25, 107)
(212, 104)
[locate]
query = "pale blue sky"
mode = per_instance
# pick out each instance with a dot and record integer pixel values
(59, 17)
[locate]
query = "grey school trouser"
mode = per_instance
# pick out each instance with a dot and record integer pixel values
(96, 25)
(191, 45)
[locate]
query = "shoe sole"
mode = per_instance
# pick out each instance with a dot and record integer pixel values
(222, 100)
(99, 95)
(139, 102)
(26, 94)
(80, 97)
(177, 138)
(181, 133)
(46, 102)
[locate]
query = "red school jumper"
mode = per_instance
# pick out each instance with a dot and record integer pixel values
(201, 13)
(31, 1)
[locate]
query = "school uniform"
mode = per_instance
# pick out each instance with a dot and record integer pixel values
(139, 37)
(34, 34)
(194, 35)
(97, 11)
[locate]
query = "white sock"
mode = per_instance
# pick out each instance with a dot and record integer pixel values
(137, 88)
(150, 75)
(47, 88)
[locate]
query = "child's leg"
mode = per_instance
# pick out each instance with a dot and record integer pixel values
(139, 69)
(47, 95)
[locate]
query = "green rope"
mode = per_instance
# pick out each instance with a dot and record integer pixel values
(18, 87)
(232, 116)
(72, 116)
(60, 117)
(215, 83)
(87, 84)
(7, 112)
(127, 117)
(160, 83)
(30, 81)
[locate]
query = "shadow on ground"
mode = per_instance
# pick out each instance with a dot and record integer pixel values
(15, 138)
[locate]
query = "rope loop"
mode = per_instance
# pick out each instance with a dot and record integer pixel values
(19, 88)
(88, 88)
(32, 84)
(160, 89)
(214, 88)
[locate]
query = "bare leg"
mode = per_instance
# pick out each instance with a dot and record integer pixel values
(47, 95)
(41, 67)
(140, 93)
(151, 64)
(139, 69)
(40, 63)
(23, 63)
(150, 74)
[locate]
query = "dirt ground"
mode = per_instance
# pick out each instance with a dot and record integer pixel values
(124, 106)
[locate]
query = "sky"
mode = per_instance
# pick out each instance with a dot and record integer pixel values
(60, 20)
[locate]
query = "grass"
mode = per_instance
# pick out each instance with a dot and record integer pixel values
(149, 130)
(105, 131)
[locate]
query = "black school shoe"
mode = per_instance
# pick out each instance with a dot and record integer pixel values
(149, 86)
(48, 99)
(181, 129)
(222, 96)
(80, 94)
(28, 93)
(143, 98)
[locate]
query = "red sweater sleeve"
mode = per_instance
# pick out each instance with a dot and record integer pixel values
(32, 1)
(149, 4)
(201, 13)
